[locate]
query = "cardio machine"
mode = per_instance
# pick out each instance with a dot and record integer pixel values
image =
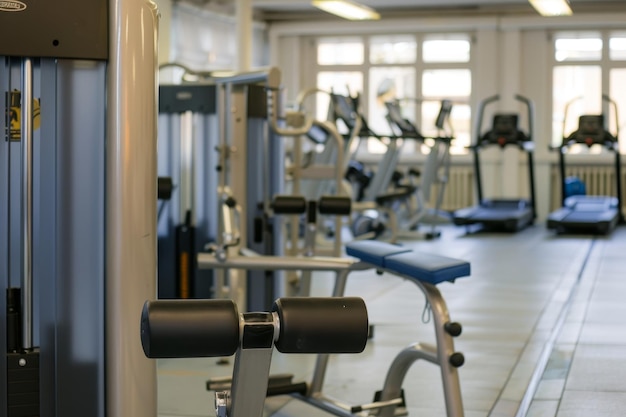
(434, 172)
(501, 214)
(582, 213)
(371, 191)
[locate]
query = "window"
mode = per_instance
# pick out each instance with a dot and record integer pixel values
(586, 46)
(393, 49)
(419, 70)
(446, 48)
(453, 84)
(617, 46)
(586, 66)
(339, 82)
(576, 89)
(340, 51)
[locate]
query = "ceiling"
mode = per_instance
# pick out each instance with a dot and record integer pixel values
(272, 10)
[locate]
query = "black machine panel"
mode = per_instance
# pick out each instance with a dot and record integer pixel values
(193, 97)
(76, 29)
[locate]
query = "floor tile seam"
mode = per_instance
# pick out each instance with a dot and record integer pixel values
(567, 311)
(565, 277)
(526, 400)
(595, 391)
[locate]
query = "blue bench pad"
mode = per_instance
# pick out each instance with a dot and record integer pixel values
(425, 267)
(373, 252)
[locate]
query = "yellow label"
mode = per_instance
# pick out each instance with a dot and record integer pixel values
(15, 117)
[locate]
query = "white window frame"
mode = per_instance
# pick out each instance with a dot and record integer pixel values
(606, 66)
(419, 67)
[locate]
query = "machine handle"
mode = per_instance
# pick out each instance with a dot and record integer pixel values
(481, 111)
(613, 104)
(530, 107)
(189, 328)
(321, 325)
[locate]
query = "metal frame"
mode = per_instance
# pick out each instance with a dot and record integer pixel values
(94, 213)
(438, 354)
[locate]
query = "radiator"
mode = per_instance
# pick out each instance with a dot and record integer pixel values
(598, 179)
(459, 190)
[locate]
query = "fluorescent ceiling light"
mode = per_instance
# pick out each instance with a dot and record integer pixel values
(347, 9)
(552, 7)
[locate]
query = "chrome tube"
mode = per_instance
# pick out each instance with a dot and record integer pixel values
(131, 195)
(27, 203)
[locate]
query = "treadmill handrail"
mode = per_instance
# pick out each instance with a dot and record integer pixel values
(530, 106)
(479, 116)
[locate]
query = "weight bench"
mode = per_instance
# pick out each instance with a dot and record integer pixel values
(214, 328)
(426, 271)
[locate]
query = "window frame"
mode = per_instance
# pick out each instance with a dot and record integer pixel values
(419, 67)
(606, 64)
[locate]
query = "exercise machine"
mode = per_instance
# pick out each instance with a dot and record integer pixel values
(249, 221)
(434, 173)
(188, 221)
(510, 215)
(583, 213)
(215, 328)
(321, 171)
(425, 270)
(78, 200)
(376, 191)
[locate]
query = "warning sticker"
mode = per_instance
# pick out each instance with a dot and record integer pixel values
(15, 116)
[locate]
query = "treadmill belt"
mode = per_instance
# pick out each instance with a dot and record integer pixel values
(485, 214)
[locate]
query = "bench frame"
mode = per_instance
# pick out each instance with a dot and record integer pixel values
(390, 402)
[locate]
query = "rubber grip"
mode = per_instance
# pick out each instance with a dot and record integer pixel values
(321, 325)
(333, 205)
(284, 204)
(189, 328)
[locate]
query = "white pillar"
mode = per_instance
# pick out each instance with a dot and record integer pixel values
(243, 12)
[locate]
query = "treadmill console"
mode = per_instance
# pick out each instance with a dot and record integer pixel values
(591, 132)
(444, 114)
(395, 118)
(343, 108)
(504, 131)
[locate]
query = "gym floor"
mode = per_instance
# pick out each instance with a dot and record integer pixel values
(543, 333)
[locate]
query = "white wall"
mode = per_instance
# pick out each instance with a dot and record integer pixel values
(205, 39)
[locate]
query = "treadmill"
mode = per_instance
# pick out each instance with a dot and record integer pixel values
(509, 215)
(583, 213)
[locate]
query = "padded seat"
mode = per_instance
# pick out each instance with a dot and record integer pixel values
(427, 267)
(373, 252)
(424, 267)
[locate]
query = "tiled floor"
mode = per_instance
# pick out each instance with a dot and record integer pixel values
(543, 333)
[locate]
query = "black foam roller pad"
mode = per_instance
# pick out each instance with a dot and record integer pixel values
(321, 325)
(334, 205)
(189, 328)
(284, 204)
